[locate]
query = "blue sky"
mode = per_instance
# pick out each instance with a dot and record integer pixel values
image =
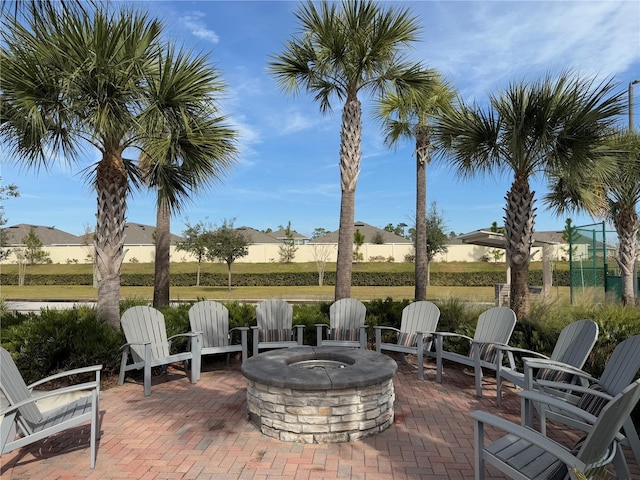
(289, 152)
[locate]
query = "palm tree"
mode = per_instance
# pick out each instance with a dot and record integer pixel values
(411, 116)
(531, 129)
(69, 81)
(190, 146)
(341, 51)
(614, 197)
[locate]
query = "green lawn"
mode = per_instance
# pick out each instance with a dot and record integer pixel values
(312, 293)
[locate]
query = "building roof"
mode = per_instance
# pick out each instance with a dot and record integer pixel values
(491, 239)
(139, 234)
(282, 235)
(369, 232)
(47, 235)
(256, 236)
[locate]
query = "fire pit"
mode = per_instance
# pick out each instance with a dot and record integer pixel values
(320, 394)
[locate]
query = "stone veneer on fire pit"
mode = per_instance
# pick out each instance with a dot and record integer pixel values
(348, 396)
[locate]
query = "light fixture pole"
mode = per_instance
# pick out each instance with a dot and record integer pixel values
(631, 125)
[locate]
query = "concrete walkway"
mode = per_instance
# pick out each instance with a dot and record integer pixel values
(185, 431)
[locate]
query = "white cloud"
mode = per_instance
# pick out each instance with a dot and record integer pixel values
(193, 21)
(486, 44)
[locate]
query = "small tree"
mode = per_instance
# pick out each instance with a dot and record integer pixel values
(6, 191)
(358, 241)
(321, 255)
(436, 236)
(196, 243)
(226, 244)
(318, 232)
(377, 239)
(288, 248)
(570, 236)
(33, 252)
(496, 253)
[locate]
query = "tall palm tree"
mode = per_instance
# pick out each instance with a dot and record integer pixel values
(411, 116)
(68, 81)
(342, 50)
(614, 197)
(531, 129)
(188, 148)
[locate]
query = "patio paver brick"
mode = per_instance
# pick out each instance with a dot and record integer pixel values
(201, 432)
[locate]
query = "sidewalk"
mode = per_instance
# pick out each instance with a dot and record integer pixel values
(185, 431)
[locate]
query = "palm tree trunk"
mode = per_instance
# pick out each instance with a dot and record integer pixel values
(350, 153)
(162, 262)
(111, 187)
(627, 224)
(422, 159)
(519, 221)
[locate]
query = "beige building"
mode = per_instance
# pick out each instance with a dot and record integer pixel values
(379, 245)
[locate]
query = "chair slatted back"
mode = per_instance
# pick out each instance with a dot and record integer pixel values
(418, 316)
(347, 314)
(212, 319)
(609, 423)
(495, 325)
(274, 314)
(15, 389)
(622, 366)
(575, 343)
(145, 324)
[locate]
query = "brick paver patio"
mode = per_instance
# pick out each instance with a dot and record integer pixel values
(185, 431)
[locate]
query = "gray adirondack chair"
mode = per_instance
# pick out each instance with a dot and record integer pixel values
(32, 416)
(591, 394)
(419, 320)
(494, 327)
(212, 319)
(148, 345)
(274, 329)
(524, 453)
(572, 348)
(347, 327)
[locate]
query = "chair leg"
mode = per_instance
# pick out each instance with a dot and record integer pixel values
(477, 368)
(438, 358)
(632, 437)
(420, 359)
(147, 370)
(479, 450)
(94, 429)
(196, 352)
(123, 364)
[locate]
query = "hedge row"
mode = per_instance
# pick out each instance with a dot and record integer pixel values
(302, 279)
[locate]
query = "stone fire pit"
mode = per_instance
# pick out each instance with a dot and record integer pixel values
(320, 394)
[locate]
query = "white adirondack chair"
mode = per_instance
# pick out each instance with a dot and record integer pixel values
(212, 319)
(32, 416)
(419, 320)
(274, 329)
(148, 345)
(524, 453)
(347, 327)
(494, 327)
(591, 394)
(572, 348)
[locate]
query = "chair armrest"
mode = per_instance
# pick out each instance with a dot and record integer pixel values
(381, 327)
(558, 403)
(146, 342)
(555, 365)
(557, 450)
(573, 388)
(187, 334)
(323, 325)
(508, 348)
(76, 371)
(240, 329)
(451, 334)
(52, 393)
